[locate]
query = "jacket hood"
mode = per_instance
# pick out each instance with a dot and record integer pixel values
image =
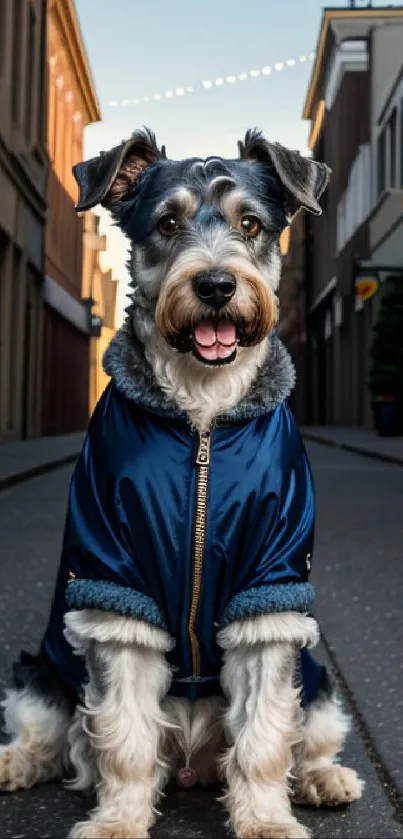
(125, 362)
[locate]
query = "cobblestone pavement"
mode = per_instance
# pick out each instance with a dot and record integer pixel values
(359, 577)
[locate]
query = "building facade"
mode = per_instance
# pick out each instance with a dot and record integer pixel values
(99, 286)
(355, 106)
(292, 299)
(72, 104)
(386, 222)
(23, 174)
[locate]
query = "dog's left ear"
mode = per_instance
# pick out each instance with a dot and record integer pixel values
(108, 178)
(304, 180)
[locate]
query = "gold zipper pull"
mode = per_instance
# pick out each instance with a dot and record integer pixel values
(203, 451)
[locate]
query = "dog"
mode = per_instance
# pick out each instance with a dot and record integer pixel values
(179, 635)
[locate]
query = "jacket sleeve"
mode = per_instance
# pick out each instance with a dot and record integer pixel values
(96, 568)
(279, 578)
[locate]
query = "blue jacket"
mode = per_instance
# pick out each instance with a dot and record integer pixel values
(188, 534)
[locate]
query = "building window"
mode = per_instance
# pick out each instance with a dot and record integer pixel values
(44, 79)
(388, 153)
(5, 302)
(401, 144)
(381, 161)
(14, 381)
(30, 71)
(392, 126)
(328, 326)
(16, 60)
(355, 204)
(52, 116)
(3, 15)
(4, 246)
(340, 225)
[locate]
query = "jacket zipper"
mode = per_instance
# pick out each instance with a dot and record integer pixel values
(202, 464)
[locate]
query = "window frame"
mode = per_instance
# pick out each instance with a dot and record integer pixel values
(389, 134)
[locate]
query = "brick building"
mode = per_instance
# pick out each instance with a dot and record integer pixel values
(23, 173)
(72, 104)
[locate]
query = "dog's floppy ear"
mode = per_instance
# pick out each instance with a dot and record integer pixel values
(108, 178)
(303, 179)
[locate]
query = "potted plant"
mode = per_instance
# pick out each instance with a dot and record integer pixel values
(386, 362)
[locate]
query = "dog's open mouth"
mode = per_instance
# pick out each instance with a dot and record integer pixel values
(215, 342)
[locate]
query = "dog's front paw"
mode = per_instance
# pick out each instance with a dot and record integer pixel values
(329, 786)
(258, 830)
(102, 830)
(13, 772)
(22, 768)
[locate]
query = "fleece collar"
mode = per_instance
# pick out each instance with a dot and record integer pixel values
(125, 362)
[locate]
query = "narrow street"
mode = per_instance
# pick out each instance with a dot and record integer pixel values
(358, 572)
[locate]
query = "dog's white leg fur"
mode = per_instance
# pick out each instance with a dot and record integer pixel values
(263, 726)
(319, 779)
(37, 749)
(81, 755)
(123, 719)
(288, 627)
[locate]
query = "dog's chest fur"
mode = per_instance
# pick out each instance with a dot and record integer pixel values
(143, 374)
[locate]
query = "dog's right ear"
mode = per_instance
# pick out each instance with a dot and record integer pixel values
(108, 178)
(303, 179)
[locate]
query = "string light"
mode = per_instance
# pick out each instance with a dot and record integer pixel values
(208, 84)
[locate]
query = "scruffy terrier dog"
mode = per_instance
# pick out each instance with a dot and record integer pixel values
(178, 641)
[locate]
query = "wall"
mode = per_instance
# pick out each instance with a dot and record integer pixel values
(386, 59)
(72, 105)
(102, 288)
(23, 173)
(292, 324)
(338, 345)
(65, 376)
(346, 128)
(65, 143)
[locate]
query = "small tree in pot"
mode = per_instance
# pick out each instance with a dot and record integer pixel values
(386, 361)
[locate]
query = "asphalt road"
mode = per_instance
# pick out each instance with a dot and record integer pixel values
(358, 572)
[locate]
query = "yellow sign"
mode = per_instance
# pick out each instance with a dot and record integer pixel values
(365, 288)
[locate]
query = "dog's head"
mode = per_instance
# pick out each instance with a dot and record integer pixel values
(205, 234)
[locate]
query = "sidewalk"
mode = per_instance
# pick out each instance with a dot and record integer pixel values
(28, 458)
(357, 440)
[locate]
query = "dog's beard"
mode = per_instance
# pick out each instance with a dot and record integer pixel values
(190, 326)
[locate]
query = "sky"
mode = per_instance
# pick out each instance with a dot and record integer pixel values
(141, 48)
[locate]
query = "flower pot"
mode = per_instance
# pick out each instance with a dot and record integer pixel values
(386, 418)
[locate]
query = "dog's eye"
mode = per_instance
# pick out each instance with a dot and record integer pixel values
(168, 225)
(250, 226)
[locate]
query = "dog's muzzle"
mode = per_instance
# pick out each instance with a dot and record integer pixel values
(214, 339)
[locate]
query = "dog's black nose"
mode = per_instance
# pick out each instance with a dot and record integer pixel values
(215, 289)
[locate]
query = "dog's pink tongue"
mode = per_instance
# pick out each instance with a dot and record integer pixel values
(205, 334)
(215, 341)
(226, 333)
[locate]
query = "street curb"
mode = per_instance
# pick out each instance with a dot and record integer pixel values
(390, 787)
(348, 447)
(35, 471)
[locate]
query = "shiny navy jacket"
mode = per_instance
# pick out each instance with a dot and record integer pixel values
(186, 533)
